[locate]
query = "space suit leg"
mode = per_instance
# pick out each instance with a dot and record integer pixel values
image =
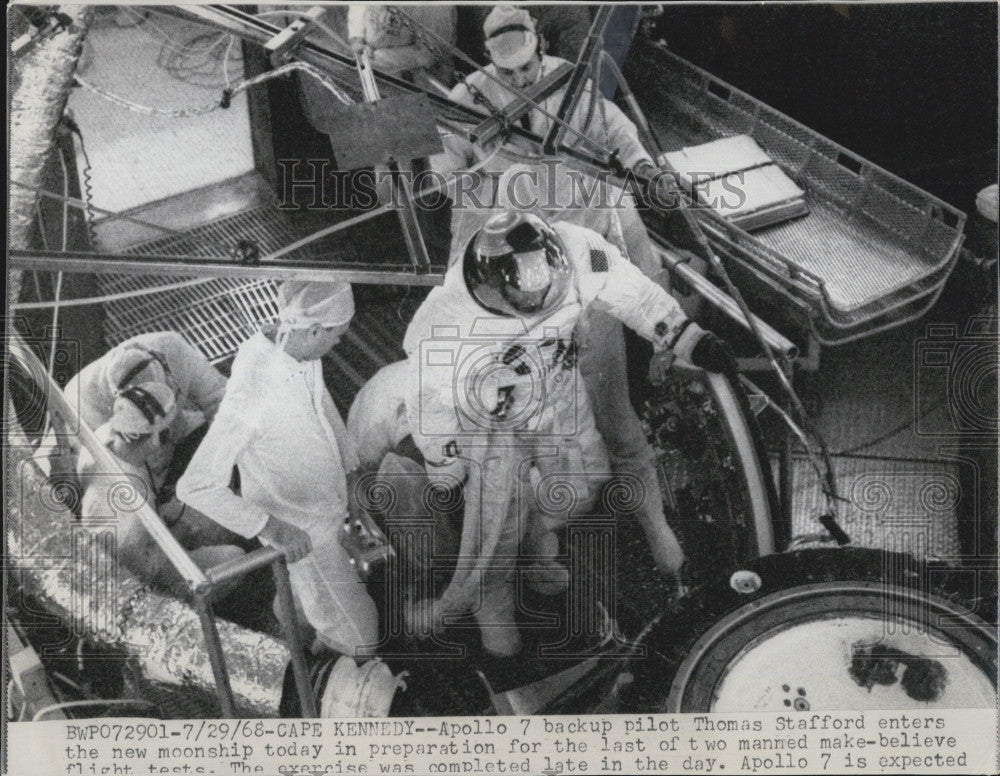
(604, 371)
(495, 609)
(571, 467)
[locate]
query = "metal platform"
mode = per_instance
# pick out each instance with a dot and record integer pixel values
(216, 314)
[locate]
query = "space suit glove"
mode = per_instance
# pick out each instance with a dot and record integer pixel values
(704, 350)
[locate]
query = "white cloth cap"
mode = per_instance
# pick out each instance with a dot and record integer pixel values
(144, 409)
(510, 36)
(988, 203)
(302, 304)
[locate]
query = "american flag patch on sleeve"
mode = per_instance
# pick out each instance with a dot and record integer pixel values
(598, 260)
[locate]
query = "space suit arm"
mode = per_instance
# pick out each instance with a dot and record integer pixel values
(619, 288)
(623, 136)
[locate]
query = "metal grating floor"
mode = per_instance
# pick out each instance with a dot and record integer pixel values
(215, 314)
(859, 265)
(893, 504)
(874, 242)
(860, 262)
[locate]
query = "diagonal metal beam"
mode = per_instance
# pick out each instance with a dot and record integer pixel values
(71, 422)
(581, 73)
(545, 87)
(352, 272)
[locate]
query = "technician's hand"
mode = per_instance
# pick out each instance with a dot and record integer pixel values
(359, 47)
(661, 189)
(659, 367)
(290, 539)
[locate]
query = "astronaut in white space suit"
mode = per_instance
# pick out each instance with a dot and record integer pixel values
(492, 357)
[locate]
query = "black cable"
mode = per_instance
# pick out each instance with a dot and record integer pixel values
(86, 180)
(892, 432)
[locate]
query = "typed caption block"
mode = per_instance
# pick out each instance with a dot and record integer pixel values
(962, 741)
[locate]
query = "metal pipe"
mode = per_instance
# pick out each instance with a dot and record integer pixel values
(238, 567)
(365, 72)
(445, 91)
(333, 229)
(295, 646)
(716, 296)
(215, 654)
(578, 81)
(353, 272)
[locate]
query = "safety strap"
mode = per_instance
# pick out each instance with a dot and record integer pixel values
(145, 402)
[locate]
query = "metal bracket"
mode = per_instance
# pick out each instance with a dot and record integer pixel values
(290, 37)
(396, 128)
(406, 211)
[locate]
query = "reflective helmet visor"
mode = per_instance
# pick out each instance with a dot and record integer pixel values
(517, 265)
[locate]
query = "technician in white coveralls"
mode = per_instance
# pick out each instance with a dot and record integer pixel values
(493, 349)
(279, 426)
(162, 357)
(517, 59)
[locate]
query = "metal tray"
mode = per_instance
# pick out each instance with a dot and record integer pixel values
(874, 251)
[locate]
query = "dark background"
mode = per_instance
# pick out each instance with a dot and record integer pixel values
(912, 87)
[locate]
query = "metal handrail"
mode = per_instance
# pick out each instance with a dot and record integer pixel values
(204, 585)
(725, 303)
(236, 569)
